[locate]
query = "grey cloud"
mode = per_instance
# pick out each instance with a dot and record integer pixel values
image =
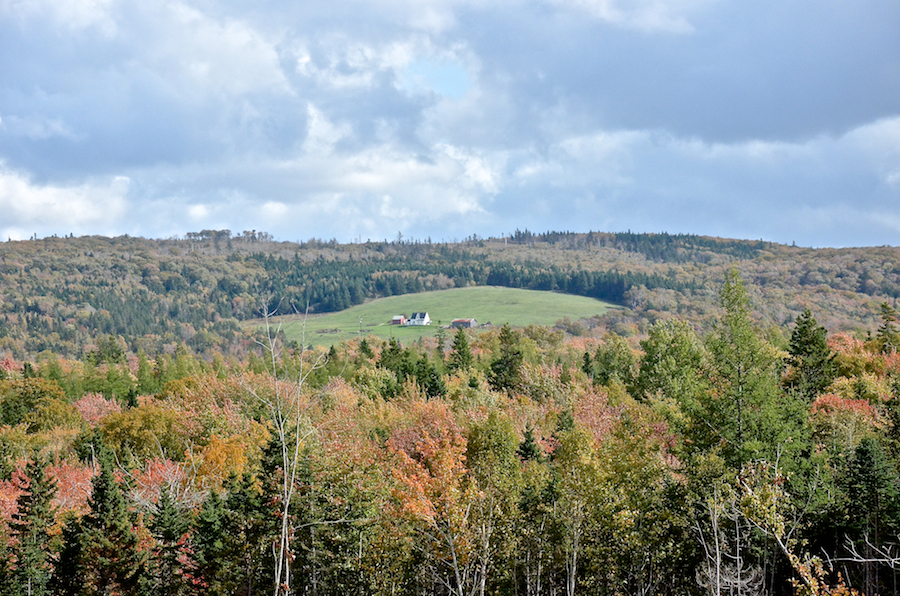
(759, 119)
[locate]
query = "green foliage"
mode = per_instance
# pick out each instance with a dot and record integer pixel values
(101, 554)
(812, 361)
(167, 572)
(745, 416)
(614, 360)
(528, 449)
(506, 368)
(461, 356)
(31, 527)
(22, 396)
(888, 336)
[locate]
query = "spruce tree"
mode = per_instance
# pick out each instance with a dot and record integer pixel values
(210, 541)
(745, 416)
(109, 558)
(889, 332)
(528, 449)
(168, 527)
(461, 357)
(506, 369)
(811, 359)
(30, 527)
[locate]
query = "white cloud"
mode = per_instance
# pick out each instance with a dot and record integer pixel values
(198, 212)
(38, 128)
(70, 14)
(203, 54)
(672, 16)
(82, 207)
(322, 134)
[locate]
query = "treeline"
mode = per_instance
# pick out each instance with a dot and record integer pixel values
(328, 286)
(510, 462)
(63, 294)
(662, 247)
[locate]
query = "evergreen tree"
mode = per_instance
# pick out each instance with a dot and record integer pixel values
(168, 527)
(364, 349)
(587, 365)
(67, 580)
(506, 368)
(872, 509)
(429, 379)
(745, 416)
(30, 527)
(888, 336)
(210, 541)
(461, 356)
(441, 336)
(528, 449)
(811, 359)
(107, 559)
(234, 548)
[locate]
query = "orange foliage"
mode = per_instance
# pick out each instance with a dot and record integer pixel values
(431, 464)
(73, 486)
(220, 457)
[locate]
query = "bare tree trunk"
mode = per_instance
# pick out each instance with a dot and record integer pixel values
(285, 408)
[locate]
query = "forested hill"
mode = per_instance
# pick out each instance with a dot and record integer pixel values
(63, 294)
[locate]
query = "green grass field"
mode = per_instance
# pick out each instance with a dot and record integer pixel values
(485, 304)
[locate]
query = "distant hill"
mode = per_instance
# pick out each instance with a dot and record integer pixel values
(63, 294)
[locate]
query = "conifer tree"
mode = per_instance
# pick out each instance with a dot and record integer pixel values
(811, 359)
(506, 369)
(31, 528)
(66, 580)
(461, 356)
(102, 554)
(528, 449)
(745, 415)
(587, 365)
(889, 332)
(210, 541)
(168, 527)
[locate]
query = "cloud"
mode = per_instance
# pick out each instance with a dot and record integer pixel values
(75, 15)
(452, 117)
(78, 208)
(671, 16)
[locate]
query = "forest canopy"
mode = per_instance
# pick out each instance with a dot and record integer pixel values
(704, 455)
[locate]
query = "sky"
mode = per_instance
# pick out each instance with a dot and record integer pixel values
(355, 120)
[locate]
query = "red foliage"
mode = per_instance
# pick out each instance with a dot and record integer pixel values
(830, 404)
(8, 365)
(161, 473)
(594, 412)
(93, 407)
(73, 486)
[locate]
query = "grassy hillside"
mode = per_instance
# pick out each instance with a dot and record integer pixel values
(486, 304)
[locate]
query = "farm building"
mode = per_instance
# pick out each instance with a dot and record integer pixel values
(419, 318)
(398, 320)
(463, 323)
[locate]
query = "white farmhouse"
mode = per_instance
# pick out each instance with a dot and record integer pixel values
(419, 318)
